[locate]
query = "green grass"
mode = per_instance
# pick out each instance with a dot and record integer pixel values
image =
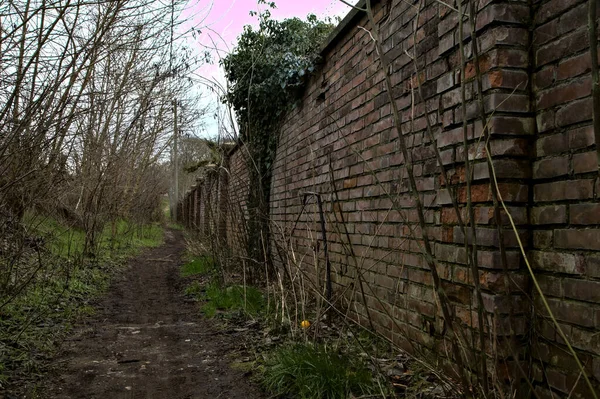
(315, 372)
(194, 289)
(232, 299)
(176, 226)
(198, 266)
(119, 237)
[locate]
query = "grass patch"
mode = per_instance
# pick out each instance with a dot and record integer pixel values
(314, 372)
(176, 226)
(198, 266)
(194, 289)
(119, 237)
(232, 299)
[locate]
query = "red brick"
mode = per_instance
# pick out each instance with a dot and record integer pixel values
(551, 9)
(574, 18)
(582, 290)
(511, 13)
(552, 214)
(586, 162)
(546, 32)
(557, 262)
(565, 93)
(503, 35)
(503, 125)
(545, 77)
(581, 138)
(564, 190)
(542, 239)
(585, 214)
(577, 239)
(563, 47)
(545, 121)
(552, 145)
(496, 281)
(571, 312)
(574, 112)
(550, 167)
(350, 183)
(496, 102)
(505, 79)
(574, 66)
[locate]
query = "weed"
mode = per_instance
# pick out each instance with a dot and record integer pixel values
(198, 266)
(194, 289)
(233, 298)
(314, 371)
(176, 226)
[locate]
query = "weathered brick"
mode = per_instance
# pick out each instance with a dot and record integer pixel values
(551, 167)
(577, 239)
(504, 125)
(581, 138)
(545, 77)
(571, 312)
(445, 82)
(582, 290)
(573, 90)
(557, 262)
(545, 120)
(551, 9)
(505, 79)
(503, 35)
(574, 66)
(584, 214)
(585, 162)
(552, 214)
(564, 46)
(511, 13)
(446, 44)
(542, 239)
(541, 130)
(564, 190)
(552, 145)
(518, 103)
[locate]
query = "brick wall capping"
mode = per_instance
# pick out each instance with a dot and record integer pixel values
(345, 24)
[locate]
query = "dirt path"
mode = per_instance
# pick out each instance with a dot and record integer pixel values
(147, 341)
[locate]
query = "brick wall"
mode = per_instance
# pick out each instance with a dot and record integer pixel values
(236, 211)
(343, 137)
(565, 213)
(215, 206)
(341, 143)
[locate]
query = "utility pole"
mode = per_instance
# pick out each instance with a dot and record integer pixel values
(175, 161)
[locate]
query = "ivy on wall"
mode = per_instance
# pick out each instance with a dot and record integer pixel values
(266, 72)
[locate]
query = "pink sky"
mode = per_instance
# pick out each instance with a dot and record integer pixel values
(224, 20)
(228, 17)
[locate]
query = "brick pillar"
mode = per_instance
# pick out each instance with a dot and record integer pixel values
(566, 199)
(504, 61)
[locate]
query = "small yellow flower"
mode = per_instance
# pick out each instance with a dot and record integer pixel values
(305, 324)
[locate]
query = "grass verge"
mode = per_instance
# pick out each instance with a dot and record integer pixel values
(234, 298)
(218, 298)
(310, 371)
(50, 286)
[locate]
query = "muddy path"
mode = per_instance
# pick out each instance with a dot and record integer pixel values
(147, 341)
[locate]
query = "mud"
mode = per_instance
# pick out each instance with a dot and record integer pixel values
(147, 340)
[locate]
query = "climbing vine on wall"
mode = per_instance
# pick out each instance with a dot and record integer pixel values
(266, 72)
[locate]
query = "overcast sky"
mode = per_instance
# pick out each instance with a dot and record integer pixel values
(222, 21)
